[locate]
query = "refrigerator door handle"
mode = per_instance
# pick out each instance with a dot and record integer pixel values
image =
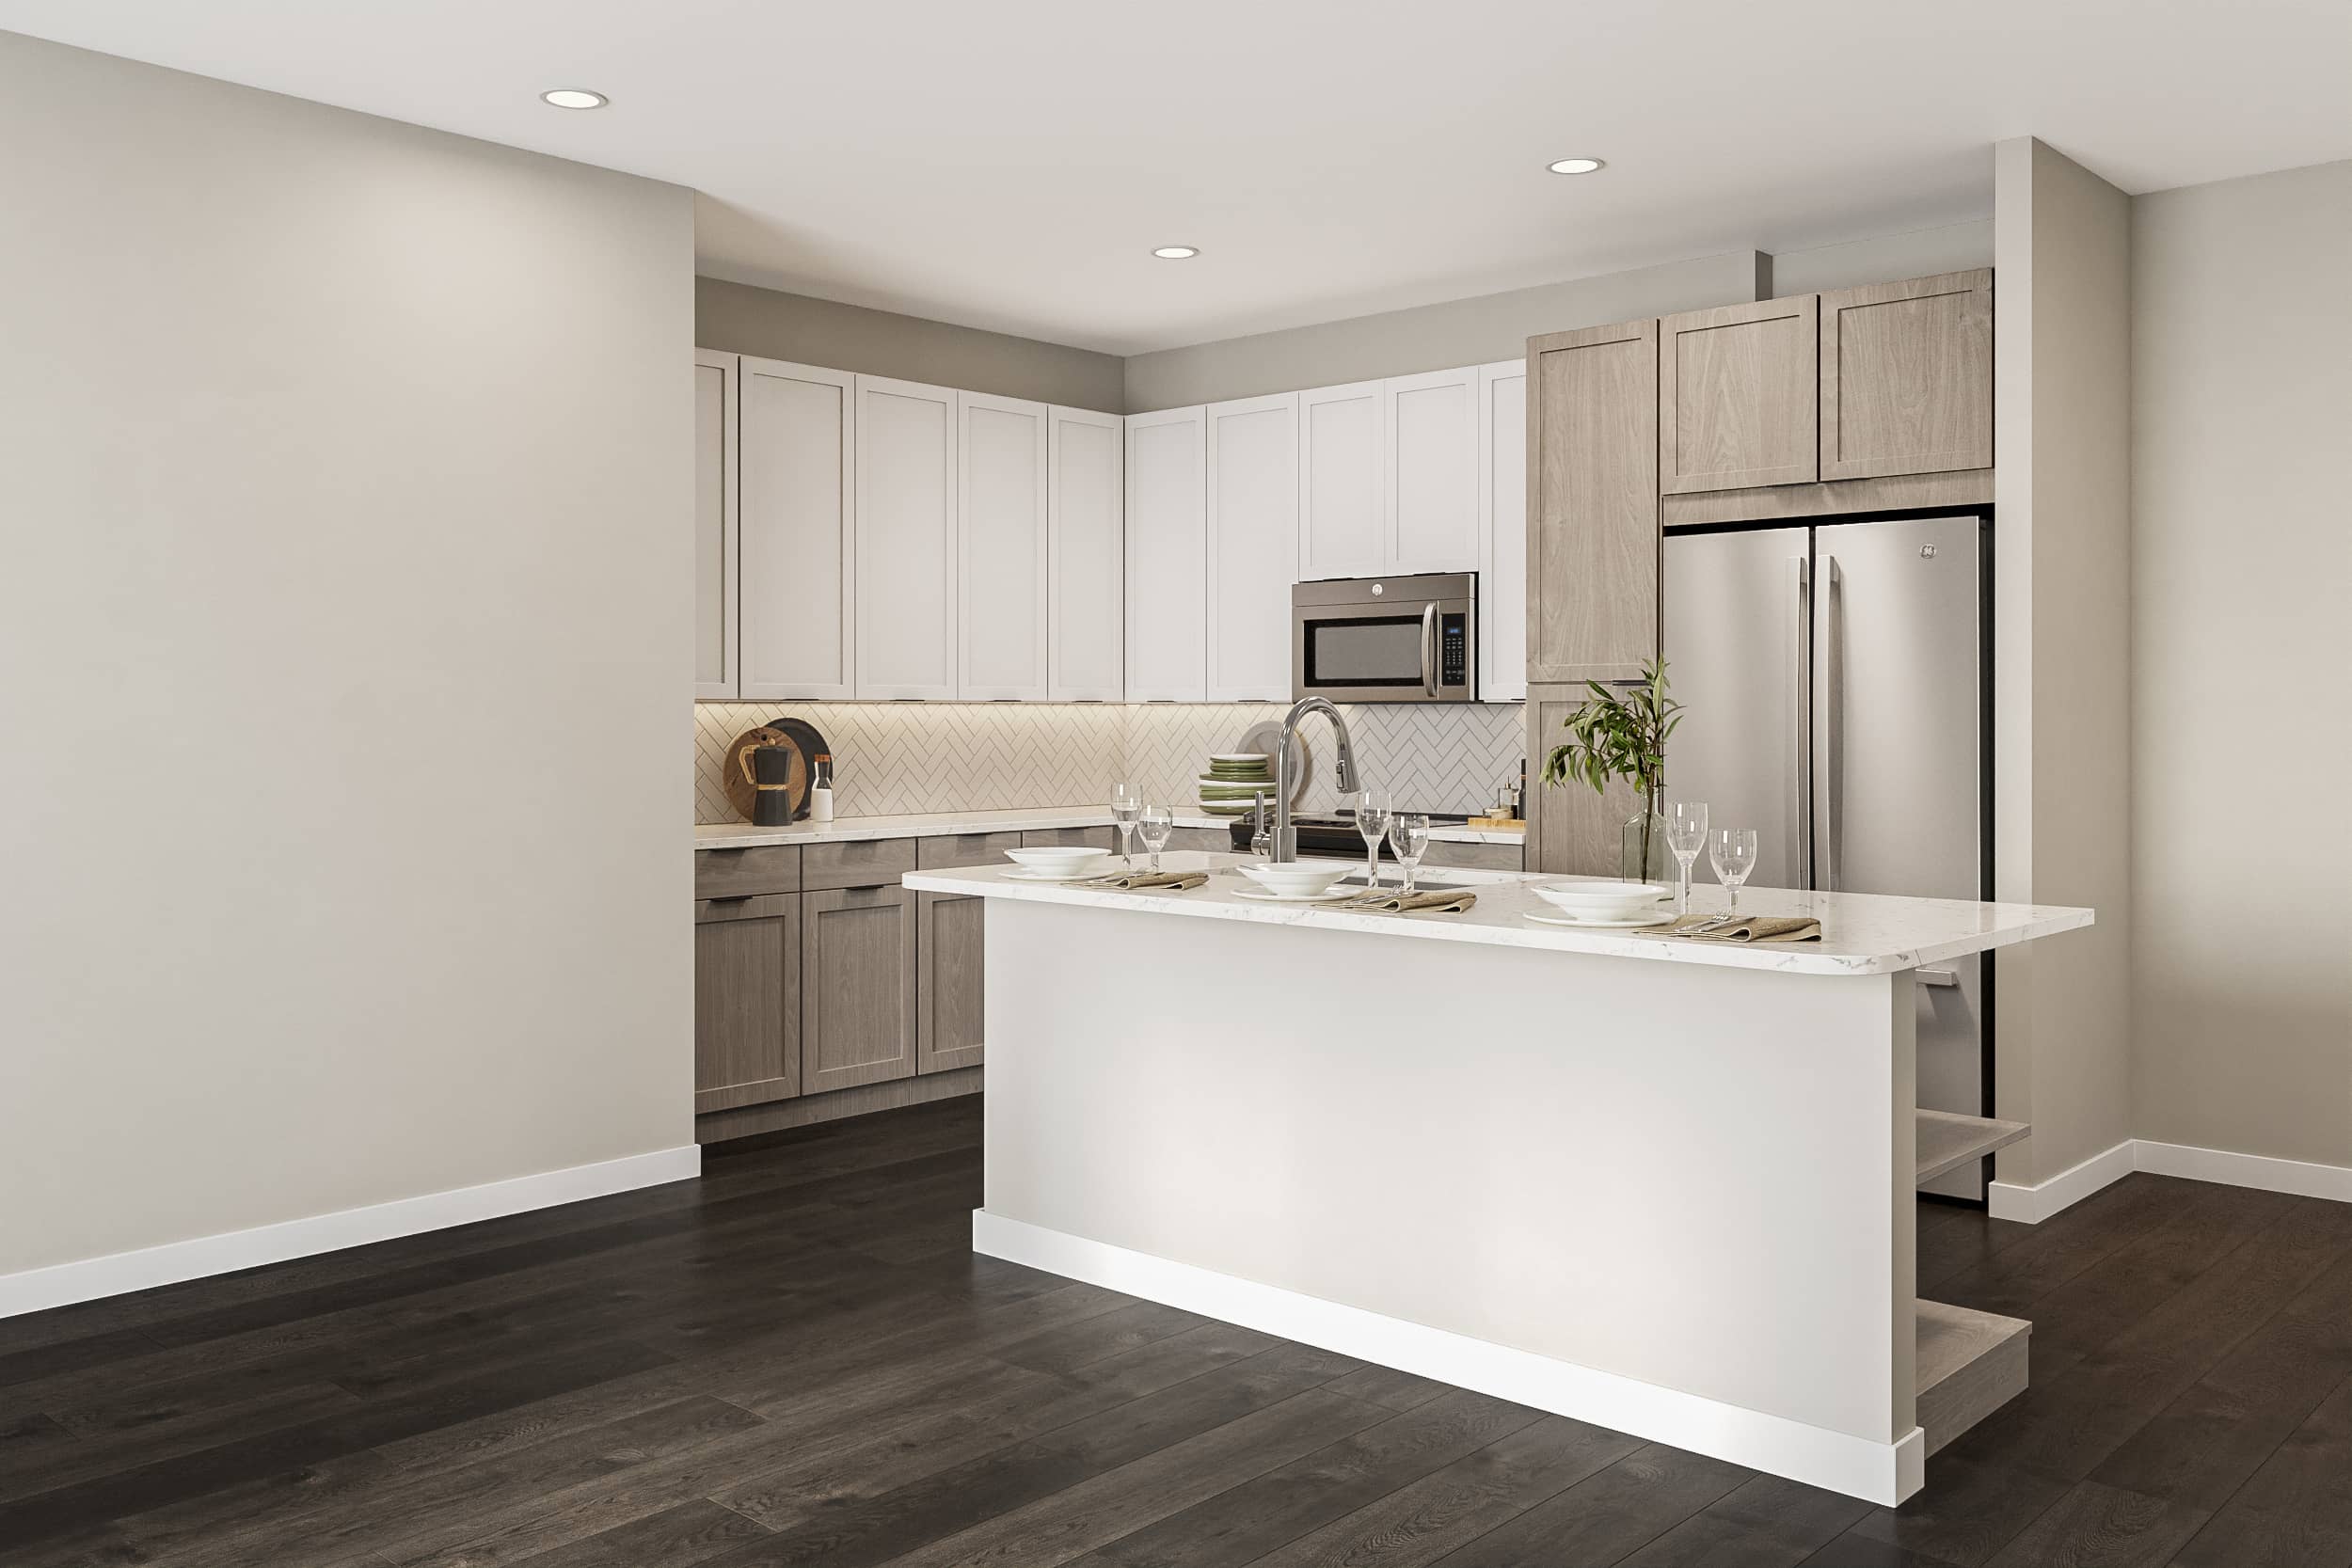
(1832, 723)
(1801, 704)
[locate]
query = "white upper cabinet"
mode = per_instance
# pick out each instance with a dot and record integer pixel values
(1252, 547)
(1503, 531)
(797, 589)
(1343, 468)
(715, 524)
(1001, 525)
(1432, 423)
(1086, 585)
(907, 557)
(1167, 567)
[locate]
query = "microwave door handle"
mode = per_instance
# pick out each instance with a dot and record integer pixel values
(1429, 649)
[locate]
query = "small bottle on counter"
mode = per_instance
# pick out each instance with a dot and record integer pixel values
(820, 791)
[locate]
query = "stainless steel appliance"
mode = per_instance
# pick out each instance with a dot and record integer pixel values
(1386, 640)
(1332, 837)
(1837, 691)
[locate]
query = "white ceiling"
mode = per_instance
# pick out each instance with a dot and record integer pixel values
(1009, 164)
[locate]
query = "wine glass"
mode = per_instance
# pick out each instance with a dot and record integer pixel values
(1371, 807)
(1686, 835)
(1126, 805)
(1153, 826)
(1408, 840)
(1734, 854)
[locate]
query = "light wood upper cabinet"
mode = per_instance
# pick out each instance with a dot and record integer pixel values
(1252, 554)
(747, 1001)
(1001, 533)
(858, 970)
(1503, 530)
(906, 540)
(1906, 376)
(715, 524)
(796, 579)
(1738, 401)
(1432, 481)
(1167, 556)
(1086, 574)
(1342, 481)
(1592, 518)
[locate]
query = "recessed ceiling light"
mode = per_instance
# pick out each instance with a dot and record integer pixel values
(575, 98)
(1576, 165)
(1177, 252)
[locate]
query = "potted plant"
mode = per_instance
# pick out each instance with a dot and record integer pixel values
(1620, 732)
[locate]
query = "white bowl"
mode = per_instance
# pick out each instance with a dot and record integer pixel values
(1064, 860)
(1297, 878)
(1600, 899)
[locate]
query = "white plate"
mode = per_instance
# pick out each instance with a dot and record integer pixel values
(1017, 875)
(1636, 924)
(1329, 895)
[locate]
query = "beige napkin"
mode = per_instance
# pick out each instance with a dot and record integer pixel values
(1155, 881)
(1393, 901)
(1748, 927)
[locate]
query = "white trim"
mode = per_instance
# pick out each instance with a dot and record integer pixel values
(2014, 1200)
(1884, 1473)
(89, 1278)
(2298, 1177)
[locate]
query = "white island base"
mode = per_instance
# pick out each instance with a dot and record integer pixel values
(1672, 1198)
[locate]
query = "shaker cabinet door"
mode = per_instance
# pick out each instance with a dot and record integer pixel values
(747, 1001)
(1503, 531)
(715, 524)
(1343, 475)
(906, 540)
(1253, 547)
(1592, 512)
(950, 938)
(798, 485)
(1086, 562)
(1432, 479)
(1737, 396)
(1167, 556)
(1907, 378)
(857, 1009)
(1001, 528)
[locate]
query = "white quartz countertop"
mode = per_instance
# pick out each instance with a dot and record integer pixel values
(1861, 933)
(742, 835)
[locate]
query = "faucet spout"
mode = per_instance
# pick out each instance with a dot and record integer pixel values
(1284, 845)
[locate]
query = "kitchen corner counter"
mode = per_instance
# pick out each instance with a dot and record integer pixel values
(745, 835)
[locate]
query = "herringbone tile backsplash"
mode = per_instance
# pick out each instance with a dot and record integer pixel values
(898, 757)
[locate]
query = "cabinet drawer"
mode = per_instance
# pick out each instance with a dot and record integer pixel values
(763, 906)
(952, 849)
(1094, 838)
(865, 862)
(1215, 841)
(1475, 857)
(760, 868)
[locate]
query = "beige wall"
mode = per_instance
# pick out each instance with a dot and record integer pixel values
(2062, 651)
(346, 471)
(739, 318)
(2242, 727)
(1885, 258)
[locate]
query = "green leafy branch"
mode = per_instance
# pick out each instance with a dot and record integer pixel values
(1618, 733)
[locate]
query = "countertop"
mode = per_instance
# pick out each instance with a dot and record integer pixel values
(1861, 933)
(742, 835)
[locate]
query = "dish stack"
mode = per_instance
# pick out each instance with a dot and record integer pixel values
(1235, 781)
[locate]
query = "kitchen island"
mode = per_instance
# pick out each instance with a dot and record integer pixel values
(1661, 1185)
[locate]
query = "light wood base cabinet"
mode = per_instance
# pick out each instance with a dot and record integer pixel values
(950, 1003)
(858, 962)
(747, 1001)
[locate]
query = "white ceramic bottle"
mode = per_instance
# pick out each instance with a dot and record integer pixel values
(820, 791)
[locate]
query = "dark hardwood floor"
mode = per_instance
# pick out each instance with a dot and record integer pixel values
(797, 1360)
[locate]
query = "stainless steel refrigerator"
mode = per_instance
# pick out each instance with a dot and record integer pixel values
(1836, 689)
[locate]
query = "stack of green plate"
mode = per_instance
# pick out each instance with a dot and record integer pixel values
(1235, 781)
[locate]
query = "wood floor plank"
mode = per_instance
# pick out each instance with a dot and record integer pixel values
(1764, 1523)
(109, 1452)
(2296, 1511)
(1389, 1386)
(674, 1537)
(1608, 1515)
(2103, 1526)
(1968, 1511)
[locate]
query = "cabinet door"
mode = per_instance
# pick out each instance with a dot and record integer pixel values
(1592, 520)
(1167, 556)
(1253, 547)
(906, 540)
(747, 1001)
(1503, 531)
(1907, 378)
(952, 1002)
(798, 565)
(1570, 830)
(1000, 524)
(857, 996)
(715, 523)
(1738, 396)
(1343, 468)
(1088, 589)
(1431, 476)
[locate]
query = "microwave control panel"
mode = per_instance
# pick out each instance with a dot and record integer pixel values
(1453, 650)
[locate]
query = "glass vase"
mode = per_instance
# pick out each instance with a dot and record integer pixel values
(1643, 855)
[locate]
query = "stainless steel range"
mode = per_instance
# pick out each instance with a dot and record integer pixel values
(1334, 837)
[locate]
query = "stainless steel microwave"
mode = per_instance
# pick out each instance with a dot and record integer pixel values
(1386, 640)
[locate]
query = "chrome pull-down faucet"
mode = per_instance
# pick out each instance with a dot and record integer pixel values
(1284, 843)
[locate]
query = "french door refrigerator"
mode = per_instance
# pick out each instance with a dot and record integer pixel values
(1836, 694)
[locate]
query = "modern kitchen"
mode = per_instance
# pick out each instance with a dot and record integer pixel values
(1544, 861)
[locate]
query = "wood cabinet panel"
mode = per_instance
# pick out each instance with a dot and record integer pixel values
(747, 1002)
(1503, 531)
(1570, 830)
(1737, 396)
(1431, 485)
(1167, 556)
(1473, 857)
(1001, 543)
(951, 935)
(797, 588)
(1086, 566)
(1906, 378)
(1216, 841)
(856, 863)
(857, 996)
(906, 540)
(1049, 838)
(945, 851)
(1342, 473)
(736, 873)
(716, 519)
(1253, 547)
(1592, 522)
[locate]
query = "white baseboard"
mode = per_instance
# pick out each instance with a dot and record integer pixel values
(91, 1277)
(2008, 1200)
(1882, 1473)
